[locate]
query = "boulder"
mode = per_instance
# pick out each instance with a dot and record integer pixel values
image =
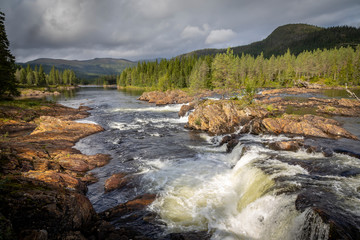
(130, 207)
(186, 108)
(222, 116)
(116, 181)
(292, 145)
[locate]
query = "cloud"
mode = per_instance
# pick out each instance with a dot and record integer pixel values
(139, 29)
(220, 36)
(190, 32)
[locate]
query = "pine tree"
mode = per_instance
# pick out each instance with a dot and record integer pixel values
(42, 76)
(52, 76)
(30, 78)
(7, 63)
(23, 76)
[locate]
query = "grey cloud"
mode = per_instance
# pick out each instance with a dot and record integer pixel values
(138, 29)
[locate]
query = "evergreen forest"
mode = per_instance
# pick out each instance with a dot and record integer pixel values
(334, 67)
(29, 77)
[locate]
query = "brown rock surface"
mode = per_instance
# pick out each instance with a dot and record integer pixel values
(185, 108)
(81, 162)
(116, 181)
(307, 125)
(293, 90)
(172, 97)
(222, 116)
(131, 206)
(168, 97)
(57, 179)
(43, 178)
(33, 206)
(292, 145)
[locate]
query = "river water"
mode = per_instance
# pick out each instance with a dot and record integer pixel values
(251, 193)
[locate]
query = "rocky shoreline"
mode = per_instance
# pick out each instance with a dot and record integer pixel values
(268, 113)
(43, 179)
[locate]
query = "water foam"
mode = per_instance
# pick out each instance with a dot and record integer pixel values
(167, 108)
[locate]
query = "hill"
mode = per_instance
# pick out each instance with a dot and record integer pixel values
(297, 38)
(86, 69)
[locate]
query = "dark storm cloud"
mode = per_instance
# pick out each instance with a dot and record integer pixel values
(139, 29)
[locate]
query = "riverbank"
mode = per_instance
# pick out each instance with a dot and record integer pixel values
(43, 179)
(42, 92)
(274, 111)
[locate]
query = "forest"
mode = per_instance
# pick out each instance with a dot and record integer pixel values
(29, 77)
(334, 67)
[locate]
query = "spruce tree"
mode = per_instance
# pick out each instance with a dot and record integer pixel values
(7, 63)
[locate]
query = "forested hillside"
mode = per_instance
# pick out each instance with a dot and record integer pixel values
(297, 38)
(339, 66)
(87, 69)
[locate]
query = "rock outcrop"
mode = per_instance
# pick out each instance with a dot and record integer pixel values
(168, 97)
(37, 209)
(173, 96)
(307, 125)
(42, 178)
(225, 116)
(222, 116)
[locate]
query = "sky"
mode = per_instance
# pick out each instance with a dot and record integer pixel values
(149, 29)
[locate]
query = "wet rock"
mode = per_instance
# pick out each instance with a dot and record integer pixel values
(292, 145)
(342, 223)
(129, 207)
(226, 139)
(34, 206)
(186, 108)
(116, 181)
(231, 145)
(327, 152)
(189, 236)
(346, 152)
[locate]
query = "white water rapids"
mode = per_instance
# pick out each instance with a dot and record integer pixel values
(250, 193)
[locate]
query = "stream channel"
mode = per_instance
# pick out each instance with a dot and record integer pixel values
(251, 193)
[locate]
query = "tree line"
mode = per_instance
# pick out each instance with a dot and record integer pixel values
(334, 67)
(37, 77)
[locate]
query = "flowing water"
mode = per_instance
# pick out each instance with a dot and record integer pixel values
(251, 193)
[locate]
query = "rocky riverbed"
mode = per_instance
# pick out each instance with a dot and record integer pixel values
(43, 179)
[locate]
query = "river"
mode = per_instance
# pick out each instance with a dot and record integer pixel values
(251, 193)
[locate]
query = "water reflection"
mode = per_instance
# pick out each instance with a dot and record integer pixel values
(337, 93)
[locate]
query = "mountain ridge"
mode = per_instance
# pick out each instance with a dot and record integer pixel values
(297, 37)
(87, 69)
